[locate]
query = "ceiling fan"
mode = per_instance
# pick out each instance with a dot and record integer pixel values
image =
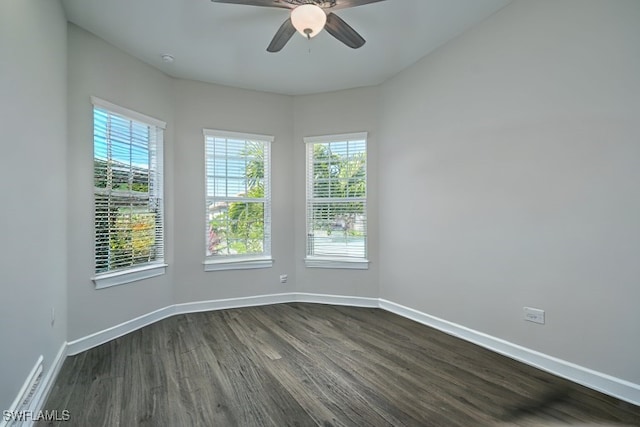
(309, 17)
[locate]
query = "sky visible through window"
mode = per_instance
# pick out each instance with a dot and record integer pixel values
(128, 140)
(128, 212)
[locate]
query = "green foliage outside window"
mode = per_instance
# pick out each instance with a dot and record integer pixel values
(240, 228)
(337, 177)
(127, 235)
(134, 237)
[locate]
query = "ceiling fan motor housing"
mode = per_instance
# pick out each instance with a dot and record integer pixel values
(321, 3)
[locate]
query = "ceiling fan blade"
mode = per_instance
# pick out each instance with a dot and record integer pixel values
(343, 4)
(343, 32)
(282, 36)
(266, 3)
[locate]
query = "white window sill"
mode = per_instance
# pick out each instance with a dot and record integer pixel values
(106, 280)
(237, 264)
(345, 263)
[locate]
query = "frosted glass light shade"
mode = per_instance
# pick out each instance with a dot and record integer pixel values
(308, 19)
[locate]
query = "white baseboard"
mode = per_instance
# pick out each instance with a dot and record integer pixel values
(90, 341)
(604, 383)
(337, 300)
(82, 344)
(224, 304)
(616, 387)
(101, 337)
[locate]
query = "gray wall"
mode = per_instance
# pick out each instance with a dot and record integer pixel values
(340, 112)
(33, 184)
(509, 172)
(99, 69)
(506, 166)
(201, 105)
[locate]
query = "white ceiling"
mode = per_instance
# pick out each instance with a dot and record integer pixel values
(226, 43)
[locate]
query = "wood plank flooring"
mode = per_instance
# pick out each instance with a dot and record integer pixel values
(313, 365)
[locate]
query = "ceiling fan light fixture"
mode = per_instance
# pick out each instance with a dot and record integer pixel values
(308, 19)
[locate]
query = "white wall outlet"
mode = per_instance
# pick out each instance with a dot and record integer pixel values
(534, 315)
(283, 278)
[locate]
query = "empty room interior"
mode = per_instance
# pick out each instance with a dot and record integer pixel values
(421, 212)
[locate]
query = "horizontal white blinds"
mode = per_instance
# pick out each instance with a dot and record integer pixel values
(238, 194)
(337, 196)
(128, 193)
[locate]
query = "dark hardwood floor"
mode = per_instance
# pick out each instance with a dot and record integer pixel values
(310, 364)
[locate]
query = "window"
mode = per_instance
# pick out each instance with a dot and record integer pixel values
(128, 195)
(238, 200)
(337, 201)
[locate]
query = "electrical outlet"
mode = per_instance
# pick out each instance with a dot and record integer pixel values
(283, 278)
(534, 315)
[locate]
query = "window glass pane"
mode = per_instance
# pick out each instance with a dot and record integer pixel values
(337, 229)
(128, 204)
(238, 217)
(336, 199)
(236, 228)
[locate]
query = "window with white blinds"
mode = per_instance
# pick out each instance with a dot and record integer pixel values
(238, 200)
(337, 201)
(128, 194)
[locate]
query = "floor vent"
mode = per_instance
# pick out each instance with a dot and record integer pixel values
(21, 412)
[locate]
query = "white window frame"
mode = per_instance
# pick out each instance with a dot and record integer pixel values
(240, 261)
(337, 262)
(158, 266)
